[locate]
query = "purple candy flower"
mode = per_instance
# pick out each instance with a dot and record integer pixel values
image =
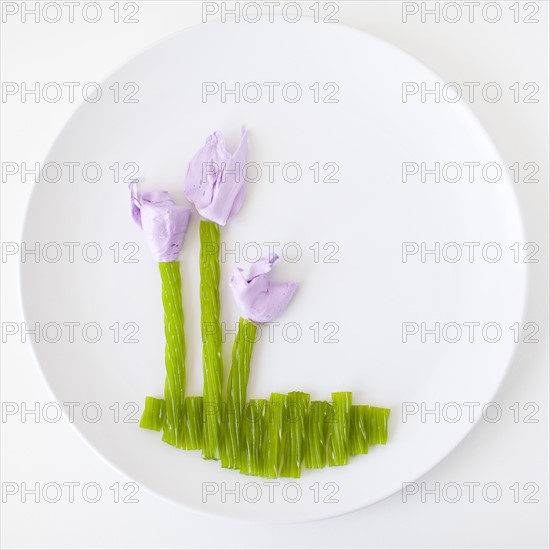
(214, 182)
(260, 299)
(163, 221)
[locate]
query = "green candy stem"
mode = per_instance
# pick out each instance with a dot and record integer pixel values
(193, 427)
(236, 392)
(174, 354)
(211, 338)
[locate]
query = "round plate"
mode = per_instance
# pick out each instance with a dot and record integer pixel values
(326, 185)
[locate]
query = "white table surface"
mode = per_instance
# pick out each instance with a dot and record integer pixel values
(505, 452)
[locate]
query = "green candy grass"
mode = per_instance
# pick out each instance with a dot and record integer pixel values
(338, 429)
(153, 414)
(252, 430)
(359, 437)
(273, 435)
(294, 433)
(378, 425)
(316, 450)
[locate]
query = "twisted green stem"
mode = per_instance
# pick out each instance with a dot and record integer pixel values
(193, 426)
(211, 337)
(174, 354)
(236, 392)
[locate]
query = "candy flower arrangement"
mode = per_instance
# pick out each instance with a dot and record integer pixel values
(263, 437)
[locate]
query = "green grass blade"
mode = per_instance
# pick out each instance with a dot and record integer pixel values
(378, 425)
(272, 441)
(153, 414)
(359, 437)
(211, 337)
(174, 354)
(316, 450)
(236, 392)
(294, 433)
(338, 420)
(252, 428)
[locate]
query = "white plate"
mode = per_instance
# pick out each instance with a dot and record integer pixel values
(368, 293)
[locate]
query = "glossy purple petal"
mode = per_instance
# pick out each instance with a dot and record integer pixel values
(260, 299)
(214, 182)
(163, 221)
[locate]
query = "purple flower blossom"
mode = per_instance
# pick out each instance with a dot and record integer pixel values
(163, 221)
(260, 299)
(214, 182)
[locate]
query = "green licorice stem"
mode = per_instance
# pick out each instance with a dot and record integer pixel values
(316, 450)
(236, 392)
(211, 337)
(273, 435)
(359, 427)
(153, 414)
(252, 430)
(193, 425)
(338, 429)
(174, 354)
(294, 433)
(378, 425)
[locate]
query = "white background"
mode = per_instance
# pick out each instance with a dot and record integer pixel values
(505, 452)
